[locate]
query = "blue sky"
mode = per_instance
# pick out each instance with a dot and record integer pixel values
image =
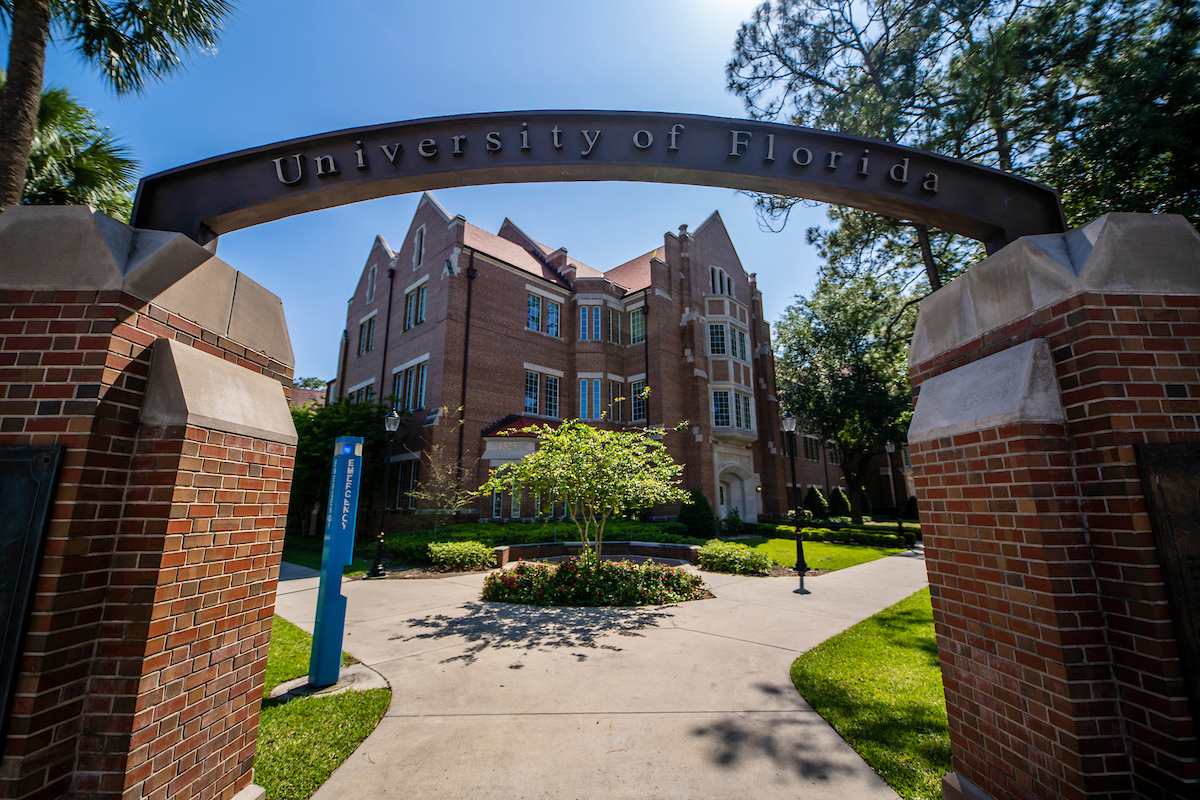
(300, 67)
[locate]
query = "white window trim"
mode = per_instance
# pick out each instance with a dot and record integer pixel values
(374, 313)
(411, 363)
(635, 306)
(592, 375)
(546, 370)
(358, 386)
(616, 378)
(641, 376)
(529, 287)
(416, 285)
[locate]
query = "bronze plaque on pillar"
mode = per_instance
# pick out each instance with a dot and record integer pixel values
(1171, 483)
(28, 476)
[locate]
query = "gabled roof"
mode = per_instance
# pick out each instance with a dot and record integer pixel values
(510, 253)
(635, 275)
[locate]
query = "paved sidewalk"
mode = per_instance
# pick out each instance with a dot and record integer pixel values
(693, 701)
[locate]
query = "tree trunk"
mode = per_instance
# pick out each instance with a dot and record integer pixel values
(21, 94)
(931, 272)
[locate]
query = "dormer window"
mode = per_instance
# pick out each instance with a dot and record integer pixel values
(371, 283)
(419, 247)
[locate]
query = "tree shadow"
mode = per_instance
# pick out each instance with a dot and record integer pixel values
(785, 740)
(509, 626)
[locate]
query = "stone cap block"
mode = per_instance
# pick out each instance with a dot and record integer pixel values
(187, 386)
(74, 247)
(1013, 386)
(1116, 253)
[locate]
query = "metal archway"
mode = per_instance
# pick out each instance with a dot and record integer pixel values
(230, 192)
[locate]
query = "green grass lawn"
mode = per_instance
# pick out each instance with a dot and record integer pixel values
(879, 685)
(301, 742)
(306, 551)
(820, 555)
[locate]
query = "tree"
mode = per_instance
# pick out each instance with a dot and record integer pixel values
(73, 161)
(309, 383)
(595, 472)
(698, 515)
(316, 428)
(445, 486)
(129, 41)
(841, 367)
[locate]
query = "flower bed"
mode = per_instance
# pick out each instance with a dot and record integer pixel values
(587, 582)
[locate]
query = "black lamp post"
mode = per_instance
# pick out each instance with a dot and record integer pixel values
(789, 427)
(391, 422)
(891, 449)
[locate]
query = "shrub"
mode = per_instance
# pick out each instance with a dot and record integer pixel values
(839, 504)
(739, 559)
(697, 516)
(675, 529)
(461, 556)
(585, 581)
(910, 508)
(732, 525)
(814, 503)
(801, 515)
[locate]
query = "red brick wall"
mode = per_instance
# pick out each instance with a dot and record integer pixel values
(1059, 656)
(73, 368)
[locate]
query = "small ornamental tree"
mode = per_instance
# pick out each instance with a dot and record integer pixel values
(814, 501)
(595, 473)
(697, 514)
(444, 489)
(839, 504)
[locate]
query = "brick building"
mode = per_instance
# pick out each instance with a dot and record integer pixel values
(547, 337)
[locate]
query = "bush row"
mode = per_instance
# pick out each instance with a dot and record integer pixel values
(461, 556)
(739, 559)
(843, 535)
(587, 582)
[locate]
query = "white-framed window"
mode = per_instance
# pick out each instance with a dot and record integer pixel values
(720, 282)
(720, 401)
(639, 401)
(533, 312)
(414, 306)
(371, 283)
(746, 412)
(589, 398)
(589, 323)
(614, 395)
(833, 452)
(532, 391)
(407, 481)
(408, 387)
(516, 505)
(716, 339)
(551, 396)
(741, 341)
(812, 448)
(366, 336)
(553, 315)
(497, 504)
(637, 325)
(363, 393)
(614, 325)
(419, 247)
(741, 411)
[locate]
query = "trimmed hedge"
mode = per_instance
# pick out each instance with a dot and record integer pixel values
(739, 559)
(849, 536)
(461, 556)
(587, 582)
(413, 548)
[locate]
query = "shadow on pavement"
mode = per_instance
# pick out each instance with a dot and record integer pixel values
(502, 625)
(785, 740)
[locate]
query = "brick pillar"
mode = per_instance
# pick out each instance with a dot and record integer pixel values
(1037, 372)
(140, 671)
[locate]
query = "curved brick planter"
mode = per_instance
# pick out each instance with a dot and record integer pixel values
(656, 550)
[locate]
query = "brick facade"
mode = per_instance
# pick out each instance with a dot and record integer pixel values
(1059, 656)
(142, 666)
(675, 286)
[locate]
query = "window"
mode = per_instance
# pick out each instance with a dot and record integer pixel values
(589, 399)
(371, 284)
(614, 325)
(497, 505)
(737, 410)
(366, 336)
(812, 448)
(551, 396)
(364, 395)
(834, 453)
(409, 387)
(516, 505)
(553, 312)
(741, 340)
(637, 325)
(741, 412)
(533, 313)
(614, 395)
(721, 409)
(408, 480)
(746, 411)
(589, 323)
(639, 401)
(419, 247)
(716, 340)
(720, 282)
(532, 387)
(414, 307)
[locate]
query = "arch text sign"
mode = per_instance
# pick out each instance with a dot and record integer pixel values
(223, 194)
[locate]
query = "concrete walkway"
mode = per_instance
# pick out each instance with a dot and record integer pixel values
(691, 701)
